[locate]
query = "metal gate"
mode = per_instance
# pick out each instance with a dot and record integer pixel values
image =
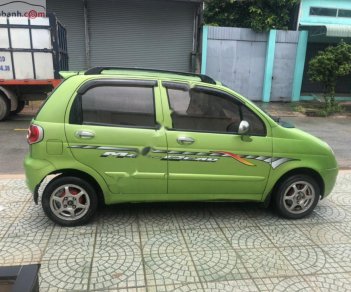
(71, 14)
(284, 65)
(156, 34)
(153, 33)
(236, 57)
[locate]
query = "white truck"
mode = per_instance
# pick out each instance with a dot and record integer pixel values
(32, 52)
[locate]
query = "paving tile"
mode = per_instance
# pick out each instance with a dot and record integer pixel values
(236, 286)
(61, 231)
(231, 216)
(248, 237)
(266, 262)
(325, 234)
(14, 190)
(118, 268)
(341, 199)
(211, 239)
(225, 286)
(282, 235)
(5, 224)
(31, 209)
(70, 247)
(290, 284)
(163, 242)
(169, 269)
(341, 253)
(264, 217)
(330, 283)
(331, 212)
(218, 265)
(129, 289)
(309, 260)
(192, 216)
(22, 250)
(196, 287)
(344, 227)
(112, 244)
(343, 183)
(12, 209)
(67, 274)
(157, 217)
(167, 259)
(182, 247)
(212, 255)
(31, 225)
(119, 218)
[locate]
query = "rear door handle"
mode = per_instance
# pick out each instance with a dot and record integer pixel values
(84, 134)
(185, 140)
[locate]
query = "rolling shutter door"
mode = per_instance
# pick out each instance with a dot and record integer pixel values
(71, 15)
(139, 33)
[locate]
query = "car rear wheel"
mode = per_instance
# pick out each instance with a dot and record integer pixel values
(69, 201)
(297, 196)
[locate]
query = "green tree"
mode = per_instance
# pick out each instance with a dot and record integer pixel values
(260, 15)
(227, 13)
(326, 67)
(267, 14)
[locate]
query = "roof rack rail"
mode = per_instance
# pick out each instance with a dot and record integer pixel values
(98, 70)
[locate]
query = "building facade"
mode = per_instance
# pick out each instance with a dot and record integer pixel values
(326, 23)
(161, 34)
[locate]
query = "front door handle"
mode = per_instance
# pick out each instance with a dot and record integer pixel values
(185, 140)
(84, 134)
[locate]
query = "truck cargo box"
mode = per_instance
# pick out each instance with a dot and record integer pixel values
(32, 49)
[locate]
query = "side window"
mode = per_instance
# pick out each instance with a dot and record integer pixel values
(257, 127)
(118, 105)
(199, 110)
(207, 111)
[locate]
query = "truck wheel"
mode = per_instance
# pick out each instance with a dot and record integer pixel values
(20, 107)
(69, 201)
(297, 196)
(4, 107)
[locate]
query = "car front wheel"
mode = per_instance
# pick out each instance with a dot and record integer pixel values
(69, 201)
(297, 196)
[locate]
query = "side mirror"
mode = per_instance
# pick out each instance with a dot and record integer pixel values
(244, 127)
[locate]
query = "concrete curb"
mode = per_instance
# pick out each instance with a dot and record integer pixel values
(12, 176)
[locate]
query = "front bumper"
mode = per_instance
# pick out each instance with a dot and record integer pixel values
(329, 177)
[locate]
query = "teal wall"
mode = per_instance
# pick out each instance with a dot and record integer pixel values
(305, 18)
(299, 65)
(204, 49)
(268, 73)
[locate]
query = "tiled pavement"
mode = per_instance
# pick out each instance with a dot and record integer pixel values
(182, 247)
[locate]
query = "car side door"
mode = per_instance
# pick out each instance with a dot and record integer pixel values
(206, 155)
(110, 126)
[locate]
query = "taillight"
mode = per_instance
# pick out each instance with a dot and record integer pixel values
(35, 134)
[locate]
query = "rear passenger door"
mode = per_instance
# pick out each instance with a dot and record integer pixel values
(111, 127)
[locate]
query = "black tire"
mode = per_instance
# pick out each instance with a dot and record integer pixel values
(5, 107)
(53, 200)
(20, 107)
(286, 196)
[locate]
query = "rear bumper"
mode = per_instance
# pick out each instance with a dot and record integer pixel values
(329, 177)
(36, 170)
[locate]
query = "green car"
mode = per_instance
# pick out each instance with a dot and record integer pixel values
(116, 135)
